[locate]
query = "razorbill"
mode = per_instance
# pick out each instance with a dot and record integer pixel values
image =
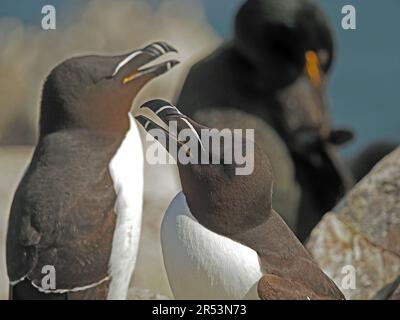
(277, 68)
(76, 215)
(220, 237)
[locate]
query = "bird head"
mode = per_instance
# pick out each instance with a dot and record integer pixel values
(284, 39)
(288, 46)
(208, 166)
(96, 92)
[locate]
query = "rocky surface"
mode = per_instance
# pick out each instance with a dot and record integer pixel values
(363, 231)
(396, 294)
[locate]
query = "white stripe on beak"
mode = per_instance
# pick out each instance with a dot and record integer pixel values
(161, 110)
(149, 114)
(126, 60)
(167, 107)
(195, 132)
(146, 112)
(159, 48)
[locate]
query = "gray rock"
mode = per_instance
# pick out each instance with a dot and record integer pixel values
(396, 294)
(363, 231)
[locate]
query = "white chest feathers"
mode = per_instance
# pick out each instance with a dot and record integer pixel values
(126, 170)
(201, 264)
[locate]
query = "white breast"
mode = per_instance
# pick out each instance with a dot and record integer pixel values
(126, 170)
(201, 264)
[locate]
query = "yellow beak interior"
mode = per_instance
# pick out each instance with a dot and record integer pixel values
(129, 78)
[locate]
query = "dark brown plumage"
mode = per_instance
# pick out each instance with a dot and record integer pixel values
(240, 207)
(64, 212)
(264, 72)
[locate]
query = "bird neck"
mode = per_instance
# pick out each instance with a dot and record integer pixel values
(111, 125)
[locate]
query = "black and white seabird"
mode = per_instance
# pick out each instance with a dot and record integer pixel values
(276, 68)
(221, 239)
(78, 207)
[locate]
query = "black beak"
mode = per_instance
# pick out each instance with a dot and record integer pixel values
(315, 75)
(136, 64)
(156, 115)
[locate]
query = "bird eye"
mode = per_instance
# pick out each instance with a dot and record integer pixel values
(324, 57)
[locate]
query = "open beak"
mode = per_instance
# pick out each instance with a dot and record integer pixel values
(144, 63)
(158, 114)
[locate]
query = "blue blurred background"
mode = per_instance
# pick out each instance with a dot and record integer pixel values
(365, 90)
